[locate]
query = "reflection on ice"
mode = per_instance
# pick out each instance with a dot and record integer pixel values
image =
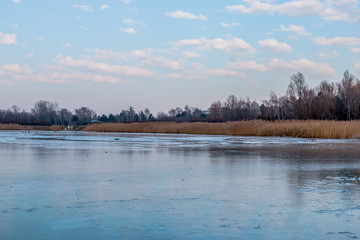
(78, 185)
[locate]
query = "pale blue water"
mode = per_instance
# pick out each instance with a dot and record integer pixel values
(76, 185)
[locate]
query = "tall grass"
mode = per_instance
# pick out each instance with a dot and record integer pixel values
(15, 126)
(11, 126)
(289, 128)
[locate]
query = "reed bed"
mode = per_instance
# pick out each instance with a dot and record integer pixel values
(11, 126)
(15, 126)
(289, 128)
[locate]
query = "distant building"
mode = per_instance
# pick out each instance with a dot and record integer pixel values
(94, 121)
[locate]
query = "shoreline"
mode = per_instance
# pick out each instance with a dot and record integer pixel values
(289, 128)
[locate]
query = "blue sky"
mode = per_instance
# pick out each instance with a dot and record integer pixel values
(160, 54)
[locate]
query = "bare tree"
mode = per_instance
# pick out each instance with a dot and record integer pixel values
(348, 103)
(215, 110)
(325, 101)
(65, 116)
(46, 111)
(85, 115)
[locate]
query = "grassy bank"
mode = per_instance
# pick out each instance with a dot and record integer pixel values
(13, 126)
(303, 129)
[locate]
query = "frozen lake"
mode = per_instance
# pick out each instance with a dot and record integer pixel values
(77, 185)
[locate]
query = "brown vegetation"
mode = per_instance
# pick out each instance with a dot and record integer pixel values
(288, 128)
(11, 126)
(15, 126)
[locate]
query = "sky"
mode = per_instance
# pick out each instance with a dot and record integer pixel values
(111, 54)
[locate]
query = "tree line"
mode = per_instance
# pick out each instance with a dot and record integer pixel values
(327, 101)
(49, 113)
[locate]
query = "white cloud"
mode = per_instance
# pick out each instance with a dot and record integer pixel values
(132, 9)
(302, 65)
(331, 10)
(67, 45)
(69, 77)
(299, 30)
(188, 42)
(324, 55)
(185, 15)
(225, 73)
(14, 25)
(146, 57)
(255, 7)
(229, 25)
(30, 55)
(280, 66)
(104, 6)
(356, 50)
(229, 45)
(15, 1)
(126, 1)
(5, 82)
(85, 8)
(133, 22)
(357, 66)
(337, 41)
(275, 46)
(335, 54)
(39, 39)
(106, 68)
(188, 76)
(17, 70)
(300, 7)
(328, 55)
(162, 62)
(108, 55)
(8, 39)
(128, 30)
(191, 54)
(249, 65)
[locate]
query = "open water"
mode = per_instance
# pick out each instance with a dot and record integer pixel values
(78, 185)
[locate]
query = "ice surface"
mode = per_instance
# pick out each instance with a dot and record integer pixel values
(78, 185)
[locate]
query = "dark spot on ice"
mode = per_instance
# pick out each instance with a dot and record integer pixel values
(78, 206)
(224, 226)
(347, 234)
(31, 209)
(258, 227)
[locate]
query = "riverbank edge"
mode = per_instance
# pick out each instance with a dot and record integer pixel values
(288, 128)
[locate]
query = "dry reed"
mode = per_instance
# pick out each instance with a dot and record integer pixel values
(11, 126)
(15, 126)
(289, 128)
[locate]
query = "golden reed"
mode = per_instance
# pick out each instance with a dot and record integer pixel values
(288, 128)
(11, 126)
(15, 126)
